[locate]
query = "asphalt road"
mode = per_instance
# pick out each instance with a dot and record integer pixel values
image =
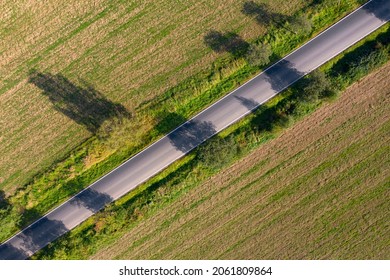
(218, 116)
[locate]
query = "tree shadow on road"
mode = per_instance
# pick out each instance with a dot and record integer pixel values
(91, 199)
(191, 134)
(9, 252)
(167, 121)
(33, 238)
(282, 74)
(41, 233)
(85, 105)
(379, 8)
(250, 104)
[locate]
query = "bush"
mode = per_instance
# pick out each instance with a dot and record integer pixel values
(217, 152)
(315, 85)
(300, 24)
(259, 54)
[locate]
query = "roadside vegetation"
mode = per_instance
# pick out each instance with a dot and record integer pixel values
(317, 191)
(46, 160)
(81, 150)
(149, 201)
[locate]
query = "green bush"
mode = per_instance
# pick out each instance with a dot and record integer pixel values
(217, 152)
(315, 84)
(259, 54)
(300, 24)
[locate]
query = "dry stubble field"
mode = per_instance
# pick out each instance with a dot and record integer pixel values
(319, 190)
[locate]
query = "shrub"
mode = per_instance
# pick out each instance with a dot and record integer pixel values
(314, 86)
(300, 24)
(217, 152)
(259, 54)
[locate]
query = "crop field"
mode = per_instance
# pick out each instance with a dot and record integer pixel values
(83, 86)
(320, 190)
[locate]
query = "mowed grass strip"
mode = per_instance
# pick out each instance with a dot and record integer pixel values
(320, 190)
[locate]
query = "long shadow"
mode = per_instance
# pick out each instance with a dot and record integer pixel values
(265, 119)
(28, 215)
(191, 134)
(145, 196)
(250, 104)
(91, 199)
(4, 203)
(282, 74)
(169, 121)
(226, 42)
(379, 8)
(86, 106)
(9, 252)
(35, 237)
(352, 59)
(263, 14)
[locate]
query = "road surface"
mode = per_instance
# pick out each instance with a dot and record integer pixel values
(183, 139)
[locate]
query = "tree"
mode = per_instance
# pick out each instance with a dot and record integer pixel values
(259, 54)
(300, 24)
(218, 151)
(315, 85)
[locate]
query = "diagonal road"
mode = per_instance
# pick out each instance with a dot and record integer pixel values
(183, 139)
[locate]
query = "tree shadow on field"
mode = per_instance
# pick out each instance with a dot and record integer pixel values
(86, 106)
(4, 203)
(27, 216)
(191, 134)
(226, 42)
(263, 14)
(167, 121)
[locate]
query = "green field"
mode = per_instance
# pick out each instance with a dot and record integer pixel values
(83, 89)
